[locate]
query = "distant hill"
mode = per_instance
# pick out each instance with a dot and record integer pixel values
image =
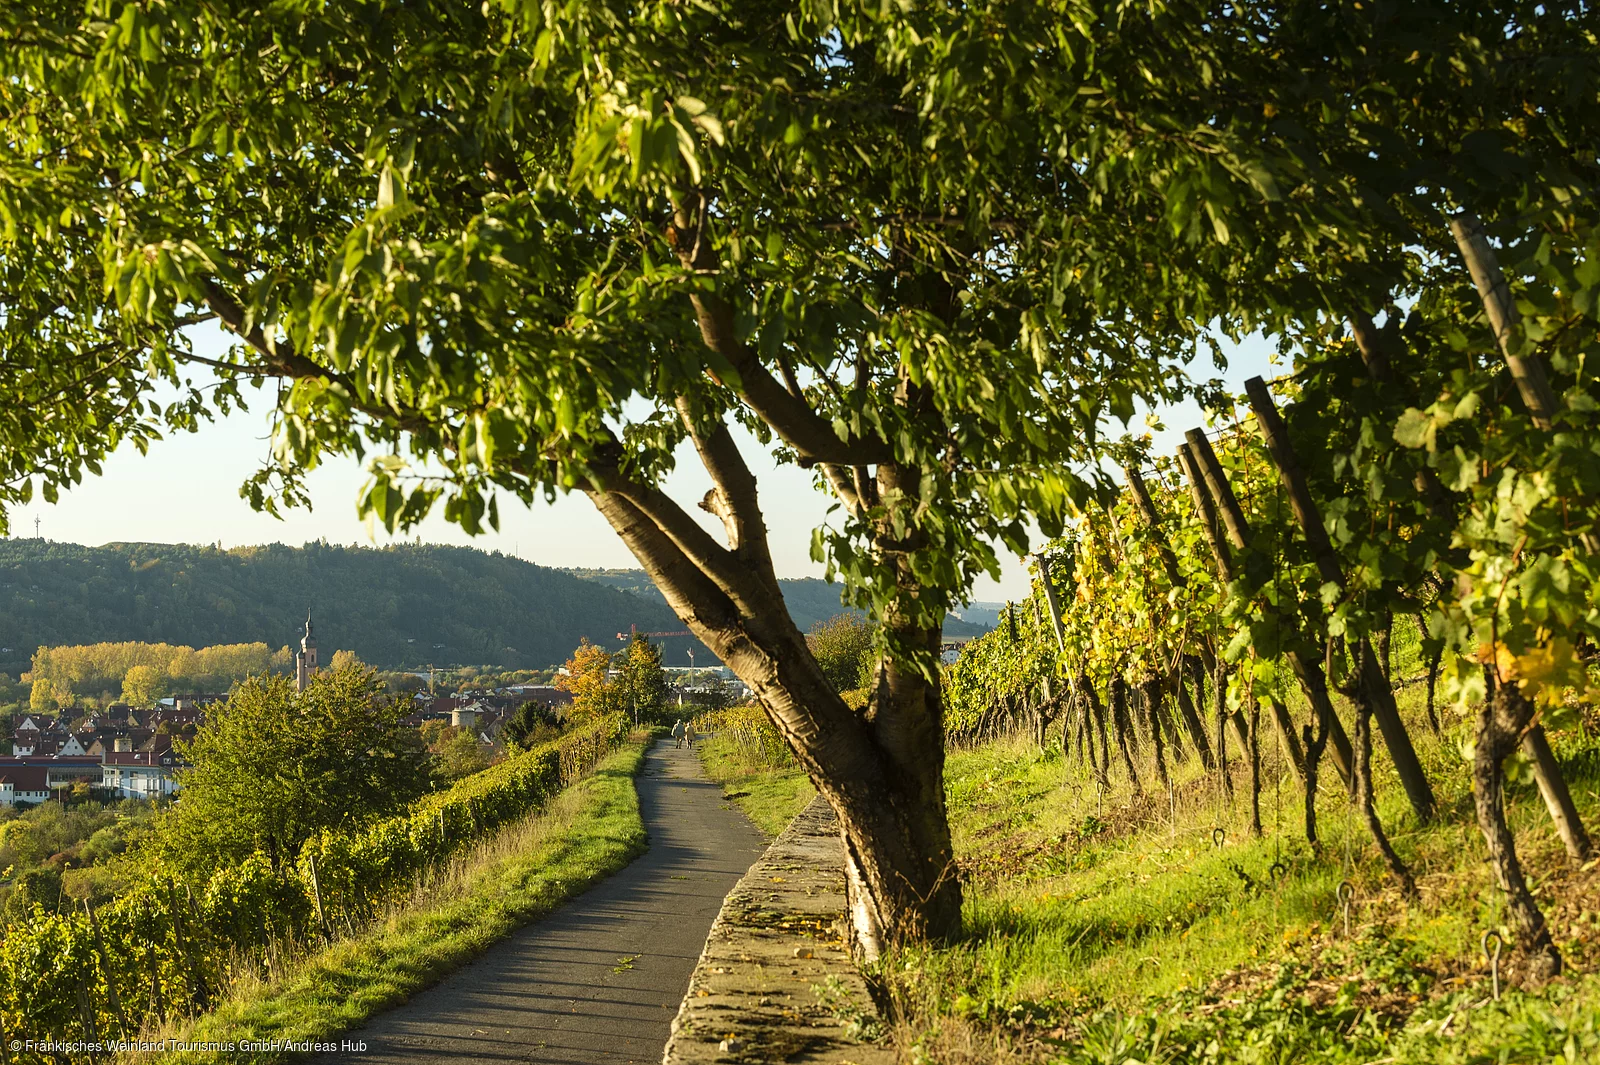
(809, 599)
(396, 606)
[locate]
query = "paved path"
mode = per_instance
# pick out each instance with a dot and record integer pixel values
(551, 993)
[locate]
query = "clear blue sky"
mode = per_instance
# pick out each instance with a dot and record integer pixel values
(186, 490)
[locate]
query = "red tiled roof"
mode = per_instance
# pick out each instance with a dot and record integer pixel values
(26, 778)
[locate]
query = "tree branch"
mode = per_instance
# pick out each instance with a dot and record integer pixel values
(734, 499)
(731, 574)
(287, 362)
(790, 415)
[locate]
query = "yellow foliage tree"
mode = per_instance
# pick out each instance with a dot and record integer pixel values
(588, 678)
(142, 686)
(42, 700)
(102, 666)
(345, 660)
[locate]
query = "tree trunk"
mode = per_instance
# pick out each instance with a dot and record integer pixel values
(1500, 721)
(1152, 710)
(1255, 768)
(1379, 695)
(1186, 707)
(882, 770)
(1315, 741)
(1434, 649)
(1170, 720)
(1557, 798)
(1080, 724)
(1384, 636)
(1118, 690)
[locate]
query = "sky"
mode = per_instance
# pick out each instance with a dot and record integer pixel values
(186, 490)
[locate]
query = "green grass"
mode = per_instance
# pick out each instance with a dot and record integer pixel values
(1101, 929)
(587, 832)
(769, 795)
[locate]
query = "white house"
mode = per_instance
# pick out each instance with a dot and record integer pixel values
(24, 784)
(139, 774)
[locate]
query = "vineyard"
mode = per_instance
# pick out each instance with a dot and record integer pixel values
(1400, 486)
(168, 948)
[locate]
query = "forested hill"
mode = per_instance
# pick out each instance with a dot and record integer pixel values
(809, 600)
(396, 606)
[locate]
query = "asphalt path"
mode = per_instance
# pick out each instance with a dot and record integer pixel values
(601, 978)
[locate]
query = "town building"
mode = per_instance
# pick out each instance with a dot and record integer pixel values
(23, 784)
(146, 774)
(305, 660)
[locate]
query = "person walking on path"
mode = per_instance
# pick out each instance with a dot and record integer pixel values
(677, 733)
(688, 734)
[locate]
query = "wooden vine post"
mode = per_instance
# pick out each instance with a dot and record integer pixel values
(1169, 562)
(1117, 691)
(1533, 384)
(1374, 687)
(1074, 681)
(1213, 496)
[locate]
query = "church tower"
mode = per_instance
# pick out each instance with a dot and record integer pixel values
(305, 660)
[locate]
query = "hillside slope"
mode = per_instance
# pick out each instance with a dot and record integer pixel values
(395, 606)
(809, 600)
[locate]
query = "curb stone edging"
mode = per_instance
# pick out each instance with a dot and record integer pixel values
(775, 982)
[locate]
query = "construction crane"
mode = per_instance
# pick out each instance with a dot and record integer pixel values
(633, 630)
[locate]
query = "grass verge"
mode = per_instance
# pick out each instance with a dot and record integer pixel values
(769, 795)
(586, 833)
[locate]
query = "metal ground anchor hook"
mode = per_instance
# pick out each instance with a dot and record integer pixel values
(1219, 836)
(1346, 894)
(1277, 871)
(1493, 958)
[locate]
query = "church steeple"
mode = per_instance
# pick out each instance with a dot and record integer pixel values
(305, 661)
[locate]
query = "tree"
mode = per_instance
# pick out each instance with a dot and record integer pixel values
(142, 686)
(36, 887)
(42, 699)
(924, 255)
(271, 766)
(21, 843)
(530, 724)
(588, 678)
(461, 755)
(432, 732)
(345, 660)
(842, 646)
(643, 682)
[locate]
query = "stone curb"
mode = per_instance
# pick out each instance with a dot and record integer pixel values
(775, 982)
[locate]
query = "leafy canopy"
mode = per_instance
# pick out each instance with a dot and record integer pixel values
(271, 767)
(536, 246)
